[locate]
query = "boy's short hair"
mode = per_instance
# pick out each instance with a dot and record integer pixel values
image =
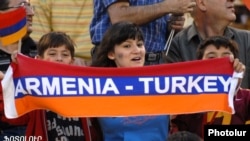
(218, 42)
(53, 40)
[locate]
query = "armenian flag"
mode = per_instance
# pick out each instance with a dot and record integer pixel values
(12, 26)
(76, 91)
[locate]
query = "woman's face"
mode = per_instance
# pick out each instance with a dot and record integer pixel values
(59, 54)
(130, 53)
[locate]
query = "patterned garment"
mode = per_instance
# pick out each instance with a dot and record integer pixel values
(155, 32)
(70, 16)
(63, 128)
(140, 128)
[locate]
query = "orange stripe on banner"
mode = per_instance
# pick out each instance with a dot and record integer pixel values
(10, 39)
(94, 106)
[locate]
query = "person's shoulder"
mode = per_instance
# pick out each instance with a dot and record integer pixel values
(29, 47)
(241, 36)
(186, 33)
(243, 93)
(239, 31)
(244, 90)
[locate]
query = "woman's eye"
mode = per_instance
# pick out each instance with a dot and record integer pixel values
(126, 46)
(140, 44)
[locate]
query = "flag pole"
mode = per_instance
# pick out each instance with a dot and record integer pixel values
(19, 45)
(169, 40)
(168, 43)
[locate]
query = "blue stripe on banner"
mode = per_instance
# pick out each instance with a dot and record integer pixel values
(12, 29)
(122, 86)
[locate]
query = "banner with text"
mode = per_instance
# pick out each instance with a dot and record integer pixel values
(186, 87)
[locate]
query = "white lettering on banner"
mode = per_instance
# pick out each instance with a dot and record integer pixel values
(50, 88)
(178, 83)
(66, 86)
(70, 86)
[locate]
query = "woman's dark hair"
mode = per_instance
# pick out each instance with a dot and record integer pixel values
(115, 35)
(218, 41)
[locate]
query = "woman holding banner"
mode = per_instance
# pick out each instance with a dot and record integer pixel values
(123, 46)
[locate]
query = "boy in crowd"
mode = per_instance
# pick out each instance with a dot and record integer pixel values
(217, 47)
(57, 47)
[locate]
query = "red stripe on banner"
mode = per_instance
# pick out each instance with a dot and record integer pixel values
(11, 18)
(126, 105)
(57, 69)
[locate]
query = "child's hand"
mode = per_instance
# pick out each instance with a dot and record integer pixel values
(237, 65)
(1, 75)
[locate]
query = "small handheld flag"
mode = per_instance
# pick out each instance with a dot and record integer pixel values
(12, 26)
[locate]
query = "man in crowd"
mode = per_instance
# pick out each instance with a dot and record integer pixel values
(151, 15)
(211, 18)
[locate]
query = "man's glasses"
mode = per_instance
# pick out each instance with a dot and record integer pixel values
(26, 5)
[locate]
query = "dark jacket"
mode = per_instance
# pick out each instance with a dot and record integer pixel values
(185, 43)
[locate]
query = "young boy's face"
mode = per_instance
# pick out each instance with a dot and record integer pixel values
(59, 54)
(212, 52)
